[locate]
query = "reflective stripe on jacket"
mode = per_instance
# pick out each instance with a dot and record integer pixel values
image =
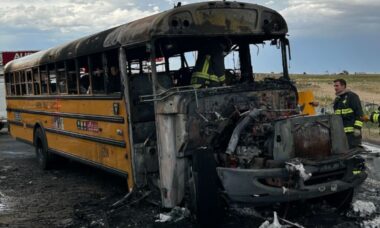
(348, 106)
(374, 117)
(206, 76)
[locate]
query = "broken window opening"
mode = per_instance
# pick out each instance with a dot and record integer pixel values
(263, 54)
(61, 77)
(181, 67)
(22, 82)
(9, 83)
(72, 77)
(44, 79)
(84, 78)
(113, 80)
(17, 85)
(29, 82)
(36, 82)
(97, 74)
(52, 79)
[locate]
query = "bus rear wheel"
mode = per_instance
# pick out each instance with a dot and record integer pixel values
(42, 154)
(203, 184)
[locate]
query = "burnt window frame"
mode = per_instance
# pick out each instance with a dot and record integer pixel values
(41, 80)
(44, 79)
(72, 69)
(111, 59)
(61, 77)
(51, 71)
(83, 69)
(23, 83)
(29, 82)
(36, 81)
(16, 80)
(97, 65)
(9, 84)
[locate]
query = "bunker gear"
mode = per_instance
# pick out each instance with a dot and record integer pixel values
(348, 106)
(209, 68)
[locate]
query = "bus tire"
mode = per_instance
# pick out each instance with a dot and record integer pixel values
(203, 183)
(40, 143)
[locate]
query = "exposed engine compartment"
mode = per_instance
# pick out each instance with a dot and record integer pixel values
(261, 128)
(254, 131)
(217, 116)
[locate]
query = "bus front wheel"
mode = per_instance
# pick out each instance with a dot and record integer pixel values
(42, 154)
(203, 184)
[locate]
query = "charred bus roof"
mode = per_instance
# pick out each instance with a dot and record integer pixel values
(200, 19)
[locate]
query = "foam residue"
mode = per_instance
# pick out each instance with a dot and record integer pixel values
(364, 208)
(374, 223)
(274, 224)
(297, 166)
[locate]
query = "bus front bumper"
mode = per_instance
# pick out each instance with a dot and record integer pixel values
(250, 186)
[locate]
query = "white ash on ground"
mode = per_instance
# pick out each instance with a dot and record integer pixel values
(373, 223)
(363, 208)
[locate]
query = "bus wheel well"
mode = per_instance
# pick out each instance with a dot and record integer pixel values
(44, 158)
(36, 127)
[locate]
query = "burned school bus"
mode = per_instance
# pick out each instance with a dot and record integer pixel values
(189, 112)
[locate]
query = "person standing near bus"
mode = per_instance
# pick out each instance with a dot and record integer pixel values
(114, 80)
(374, 117)
(209, 67)
(347, 105)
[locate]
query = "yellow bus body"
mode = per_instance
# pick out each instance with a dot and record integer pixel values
(106, 145)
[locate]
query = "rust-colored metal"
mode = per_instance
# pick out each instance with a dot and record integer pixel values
(312, 140)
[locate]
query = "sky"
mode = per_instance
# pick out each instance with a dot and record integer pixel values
(327, 36)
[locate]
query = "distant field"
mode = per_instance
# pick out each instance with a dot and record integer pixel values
(366, 86)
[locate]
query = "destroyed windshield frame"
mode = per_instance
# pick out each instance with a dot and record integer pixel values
(156, 49)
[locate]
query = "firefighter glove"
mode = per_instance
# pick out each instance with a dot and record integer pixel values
(357, 132)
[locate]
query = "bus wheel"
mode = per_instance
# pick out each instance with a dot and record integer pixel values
(40, 143)
(203, 184)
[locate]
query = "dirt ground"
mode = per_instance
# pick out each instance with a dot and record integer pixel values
(75, 195)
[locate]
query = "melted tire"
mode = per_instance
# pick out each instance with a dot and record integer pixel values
(205, 198)
(43, 157)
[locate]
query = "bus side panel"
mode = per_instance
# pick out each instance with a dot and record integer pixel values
(91, 130)
(109, 156)
(22, 132)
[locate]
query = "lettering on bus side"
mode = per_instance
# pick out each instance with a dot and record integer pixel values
(86, 125)
(58, 122)
(17, 116)
(48, 105)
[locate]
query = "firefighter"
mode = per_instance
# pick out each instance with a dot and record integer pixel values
(209, 67)
(374, 117)
(347, 105)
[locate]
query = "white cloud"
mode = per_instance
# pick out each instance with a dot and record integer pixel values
(69, 15)
(332, 17)
(68, 19)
